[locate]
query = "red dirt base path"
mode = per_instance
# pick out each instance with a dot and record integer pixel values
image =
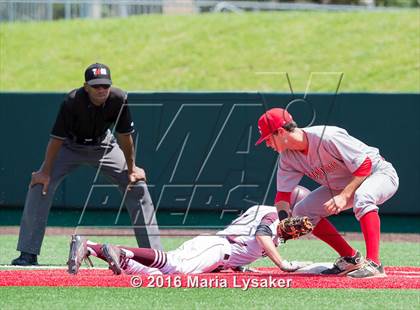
(397, 278)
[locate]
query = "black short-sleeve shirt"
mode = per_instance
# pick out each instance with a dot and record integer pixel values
(80, 120)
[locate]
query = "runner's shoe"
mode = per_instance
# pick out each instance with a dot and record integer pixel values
(115, 257)
(77, 254)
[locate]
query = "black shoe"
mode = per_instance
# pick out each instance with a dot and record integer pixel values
(26, 259)
(345, 264)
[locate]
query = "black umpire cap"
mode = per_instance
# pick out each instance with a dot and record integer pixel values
(98, 74)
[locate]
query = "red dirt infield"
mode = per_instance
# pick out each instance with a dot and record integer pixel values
(397, 278)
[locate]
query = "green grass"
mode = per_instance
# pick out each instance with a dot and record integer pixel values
(106, 298)
(376, 51)
(55, 250)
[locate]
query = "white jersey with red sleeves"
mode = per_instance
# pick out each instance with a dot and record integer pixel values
(241, 234)
(332, 156)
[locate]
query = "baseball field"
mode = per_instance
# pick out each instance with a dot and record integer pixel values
(50, 286)
(376, 51)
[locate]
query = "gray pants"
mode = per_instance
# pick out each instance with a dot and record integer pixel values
(380, 186)
(111, 160)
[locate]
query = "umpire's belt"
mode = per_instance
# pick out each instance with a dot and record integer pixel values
(89, 141)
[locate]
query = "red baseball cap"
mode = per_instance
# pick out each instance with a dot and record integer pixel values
(270, 121)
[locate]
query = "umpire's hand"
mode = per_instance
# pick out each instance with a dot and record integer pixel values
(40, 177)
(137, 174)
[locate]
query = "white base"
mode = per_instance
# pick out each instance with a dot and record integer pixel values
(315, 268)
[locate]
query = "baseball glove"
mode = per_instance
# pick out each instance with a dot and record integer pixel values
(294, 227)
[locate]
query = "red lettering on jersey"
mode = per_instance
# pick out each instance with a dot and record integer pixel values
(320, 172)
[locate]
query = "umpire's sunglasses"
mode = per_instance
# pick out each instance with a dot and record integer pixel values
(104, 86)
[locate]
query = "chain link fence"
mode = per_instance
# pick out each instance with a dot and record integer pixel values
(32, 10)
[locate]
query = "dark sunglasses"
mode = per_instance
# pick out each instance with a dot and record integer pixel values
(104, 86)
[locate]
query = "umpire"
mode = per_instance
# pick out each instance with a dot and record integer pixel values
(81, 136)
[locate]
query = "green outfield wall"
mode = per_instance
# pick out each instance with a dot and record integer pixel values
(198, 148)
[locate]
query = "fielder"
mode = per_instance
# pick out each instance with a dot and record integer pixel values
(255, 234)
(351, 174)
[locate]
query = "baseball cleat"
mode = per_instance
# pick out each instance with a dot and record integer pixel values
(78, 253)
(26, 259)
(345, 264)
(369, 270)
(114, 256)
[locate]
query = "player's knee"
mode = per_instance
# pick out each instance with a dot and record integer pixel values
(299, 193)
(362, 198)
(299, 210)
(363, 203)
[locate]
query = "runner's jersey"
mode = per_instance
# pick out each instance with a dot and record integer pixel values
(241, 234)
